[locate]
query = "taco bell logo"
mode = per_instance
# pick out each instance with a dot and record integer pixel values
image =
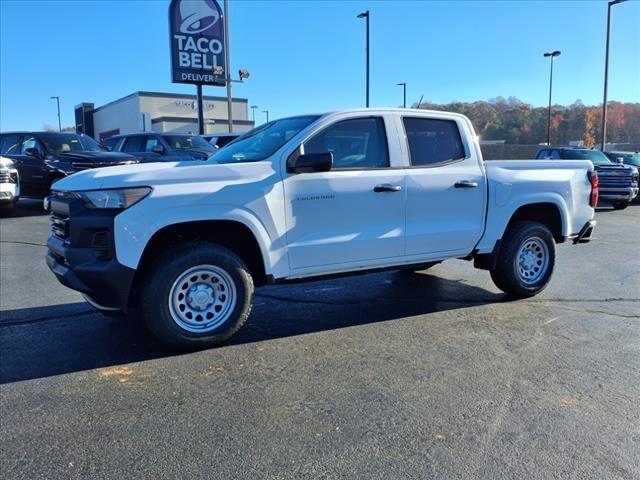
(197, 41)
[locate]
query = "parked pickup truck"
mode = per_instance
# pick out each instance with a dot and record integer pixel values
(617, 183)
(184, 244)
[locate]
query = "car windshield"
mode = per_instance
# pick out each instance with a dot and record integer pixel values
(262, 142)
(596, 156)
(69, 142)
(187, 142)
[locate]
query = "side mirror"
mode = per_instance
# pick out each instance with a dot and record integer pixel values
(33, 152)
(158, 149)
(310, 162)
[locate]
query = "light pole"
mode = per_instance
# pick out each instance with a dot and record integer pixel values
(58, 103)
(253, 113)
(266, 112)
(606, 73)
(551, 55)
(404, 94)
(367, 15)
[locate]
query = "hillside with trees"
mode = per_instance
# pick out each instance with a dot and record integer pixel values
(519, 123)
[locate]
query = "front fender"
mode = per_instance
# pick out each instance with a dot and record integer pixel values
(134, 228)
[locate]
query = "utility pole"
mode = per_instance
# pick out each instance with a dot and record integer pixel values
(200, 108)
(606, 74)
(58, 103)
(266, 112)
(367, 16)
(552, 55)
(404, 94)
(228, 65)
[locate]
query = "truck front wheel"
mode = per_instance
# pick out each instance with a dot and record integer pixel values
(526, 259)
(199, 295)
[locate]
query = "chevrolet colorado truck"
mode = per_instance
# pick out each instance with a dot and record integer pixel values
(300, 198)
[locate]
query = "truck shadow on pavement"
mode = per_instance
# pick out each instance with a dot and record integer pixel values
(45, 341)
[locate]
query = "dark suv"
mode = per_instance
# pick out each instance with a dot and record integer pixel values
(617, 183)
(41, 158)
(162, 147)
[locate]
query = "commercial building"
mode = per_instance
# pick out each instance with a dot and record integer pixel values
(160, 112)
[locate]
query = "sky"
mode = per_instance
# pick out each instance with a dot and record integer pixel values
(308, 56)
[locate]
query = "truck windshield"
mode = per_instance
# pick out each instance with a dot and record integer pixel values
(596, 156)
(187, 142)
(262, 142)
(69, 142)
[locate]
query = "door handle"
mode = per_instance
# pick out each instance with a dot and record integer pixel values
(387, 187)
(465, 184)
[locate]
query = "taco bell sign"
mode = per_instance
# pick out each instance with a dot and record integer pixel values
(197, 42)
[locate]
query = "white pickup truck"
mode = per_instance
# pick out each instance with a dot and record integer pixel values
(184, 244)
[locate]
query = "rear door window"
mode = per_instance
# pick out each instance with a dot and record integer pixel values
(134, 144)
(10, 144)
(150, 143)
(433, 142)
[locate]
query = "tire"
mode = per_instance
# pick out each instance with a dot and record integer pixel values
(620, 205)
(526, 259)
(198, 296)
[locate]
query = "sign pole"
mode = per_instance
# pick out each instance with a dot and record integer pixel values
(200, 109)
(228, 65)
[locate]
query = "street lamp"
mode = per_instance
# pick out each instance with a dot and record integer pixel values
(367, 15)
(58, 103)
(266, 112)
(551, 55)
(253, 113)
(404, 94)
(606, 73)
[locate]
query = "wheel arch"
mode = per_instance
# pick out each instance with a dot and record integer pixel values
(232, 234)
(547, 212)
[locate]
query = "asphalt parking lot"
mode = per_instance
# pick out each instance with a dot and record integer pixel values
(393, 375)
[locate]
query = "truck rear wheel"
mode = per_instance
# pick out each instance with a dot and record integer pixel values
(199, 295)
(526, 259)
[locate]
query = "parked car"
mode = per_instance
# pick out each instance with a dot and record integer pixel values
(42, 158)
(304, 197)
(220, 140)
(9, 186)
(162, 147)
(617, 183)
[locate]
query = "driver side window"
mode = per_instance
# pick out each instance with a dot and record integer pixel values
(358, 143)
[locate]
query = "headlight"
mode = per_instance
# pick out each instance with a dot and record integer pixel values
(116, 199)
(6, 163)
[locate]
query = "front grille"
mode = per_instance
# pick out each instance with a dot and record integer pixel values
(59, 225)
(615, 180)
(8, 177)
(87, 165)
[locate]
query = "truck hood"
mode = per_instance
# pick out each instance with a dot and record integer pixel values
(614, 168)
(166, 173)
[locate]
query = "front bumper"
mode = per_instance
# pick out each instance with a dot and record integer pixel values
(81, 255)
(617, 194)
